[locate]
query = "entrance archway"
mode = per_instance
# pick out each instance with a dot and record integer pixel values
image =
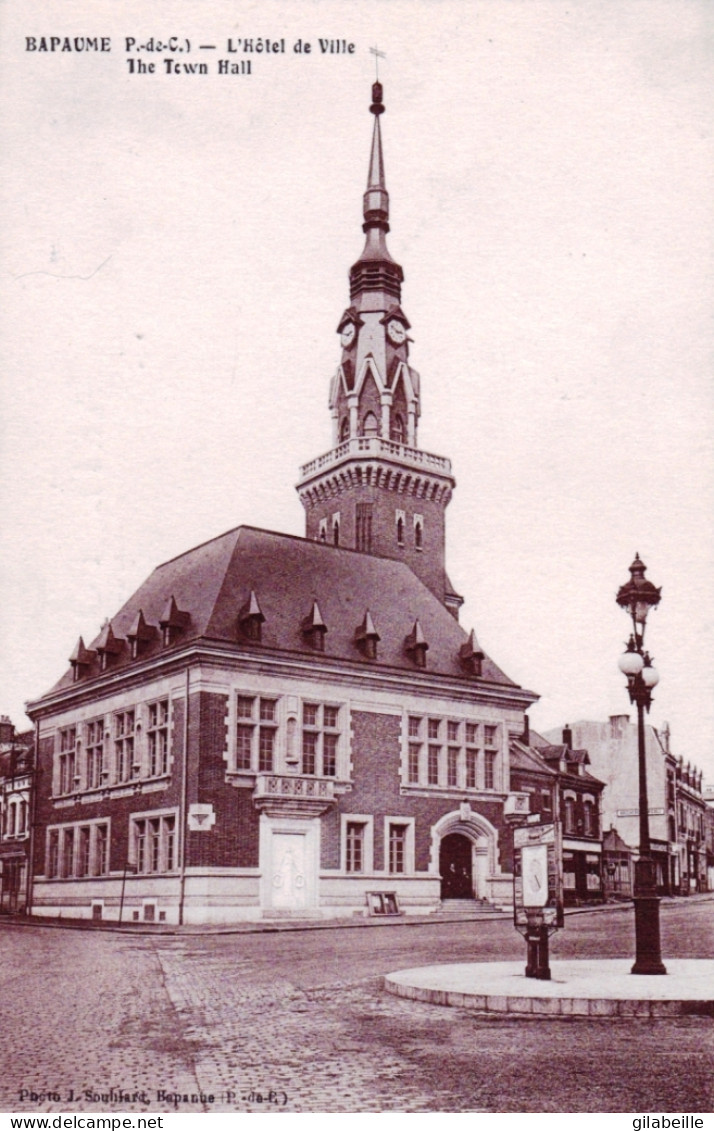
(456, 867)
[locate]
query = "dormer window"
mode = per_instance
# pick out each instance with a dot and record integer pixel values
(107, 647)
(471, 656)
(172, 622)
(80, 660)
(416, 646)
(139, 635)
(250, 619)
(366, 637)
(314, 628)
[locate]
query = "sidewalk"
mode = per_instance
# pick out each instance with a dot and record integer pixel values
(275, 926)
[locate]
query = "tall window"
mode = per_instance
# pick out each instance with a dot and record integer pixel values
(67, 853)
(320, 736)
(354, 858)
(471, 738)
(256, 730)
(433, 752)
(53, 854)
(154, 843)
(100, 863)
(67, 758)
(123, 745)
(363, 527)
(489, 770)
(398, 432)
(345, 429)
(490, 739)
(397, 848)
(452, 766)
(589, 818)
(569, 806)
(158, 735)
(83, 851)
(94, 753)
(266, 736)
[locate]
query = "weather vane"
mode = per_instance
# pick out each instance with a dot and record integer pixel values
(377, 56)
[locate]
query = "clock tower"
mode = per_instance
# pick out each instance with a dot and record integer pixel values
(376, 490)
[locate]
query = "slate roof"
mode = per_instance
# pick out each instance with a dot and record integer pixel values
(213, 583)
(523, 757)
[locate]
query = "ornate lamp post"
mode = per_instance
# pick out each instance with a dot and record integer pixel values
(638, 596)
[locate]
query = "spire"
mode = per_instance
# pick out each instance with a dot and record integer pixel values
(375, 270)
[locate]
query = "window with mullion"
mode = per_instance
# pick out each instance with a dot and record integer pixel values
(452, 766)
(397, 849)
(355, 835)
(158, 735)
(123, 745)
(433, 765)
(95, 753)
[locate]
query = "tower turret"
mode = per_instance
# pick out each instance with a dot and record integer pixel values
(376, 490)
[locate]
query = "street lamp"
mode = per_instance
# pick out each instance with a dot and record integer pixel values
(638, 596)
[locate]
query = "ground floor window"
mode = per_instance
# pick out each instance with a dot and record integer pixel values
(77, 850)
(355, 838)
(153, 842)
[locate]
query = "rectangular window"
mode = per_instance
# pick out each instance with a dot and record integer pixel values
(434, 725)
(320, 738)
(154, 840)
(123, 745)
(354, 858)
(83, 851)
(101, 844)
(67, 853)
(363, 527)
(414, 752)
(471, 758)
(256, 733)
(158, 732)
(472, 734)
(489, 777)
(414, 727)
(244, 706)
(397, 849)
(433, 765)
(452, 731)
(53, 854)
(309, 752)
(453, 766)
(329, 754)
(68, 749)
(545, 800)
(244, 746)
(95, 753)
(490, 736)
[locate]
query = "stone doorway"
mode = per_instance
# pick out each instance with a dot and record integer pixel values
(456, 867)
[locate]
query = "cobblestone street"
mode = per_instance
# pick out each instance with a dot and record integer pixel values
(299, 1019)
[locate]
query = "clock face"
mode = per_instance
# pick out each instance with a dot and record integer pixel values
(396, 332)
(348, 334)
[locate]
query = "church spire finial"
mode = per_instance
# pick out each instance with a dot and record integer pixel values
(375, 270)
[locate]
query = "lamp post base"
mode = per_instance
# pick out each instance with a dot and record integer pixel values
(648, 953)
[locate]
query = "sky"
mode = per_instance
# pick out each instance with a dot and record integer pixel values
(174, 263)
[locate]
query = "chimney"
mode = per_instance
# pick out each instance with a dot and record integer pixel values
(526, 736)
(7, 729)
(567, 737)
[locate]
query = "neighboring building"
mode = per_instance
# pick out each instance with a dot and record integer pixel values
(618, 869)
(280, 726)
(16, 772)
(561, 788)
(676, 804)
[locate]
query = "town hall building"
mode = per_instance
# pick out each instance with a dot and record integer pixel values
(281, 726)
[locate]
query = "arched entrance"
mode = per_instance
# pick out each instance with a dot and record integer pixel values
(456, 867)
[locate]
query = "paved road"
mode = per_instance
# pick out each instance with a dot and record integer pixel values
(299, 1019)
